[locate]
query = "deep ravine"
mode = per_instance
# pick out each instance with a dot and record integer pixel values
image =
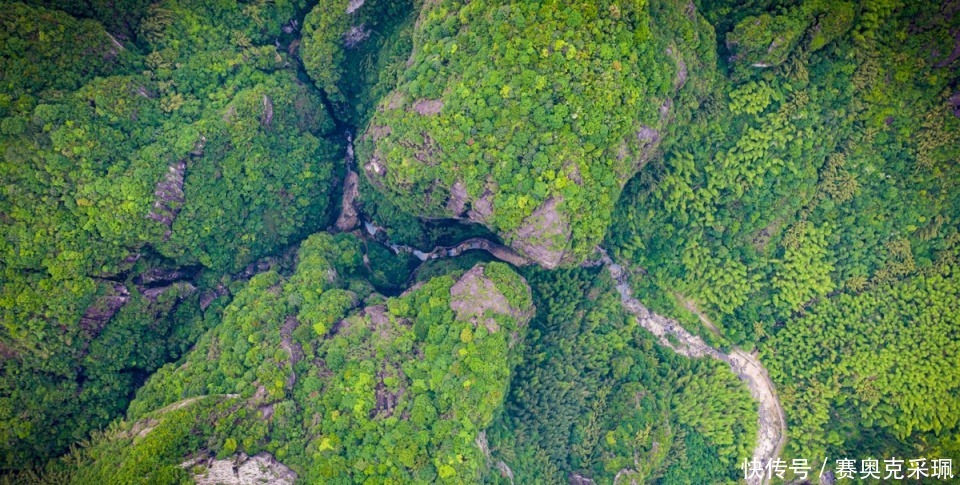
(772, 429)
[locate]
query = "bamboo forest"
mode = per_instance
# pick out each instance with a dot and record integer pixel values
(580, 242)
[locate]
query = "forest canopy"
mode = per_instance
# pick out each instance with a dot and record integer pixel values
(196, 148)
(519, 128)
(447, 241)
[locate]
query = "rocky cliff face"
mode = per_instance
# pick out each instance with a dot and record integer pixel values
(493, 124)
(104, 308)
(318, 366)
(241, 469)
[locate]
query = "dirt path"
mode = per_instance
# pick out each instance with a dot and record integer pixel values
(772, 432)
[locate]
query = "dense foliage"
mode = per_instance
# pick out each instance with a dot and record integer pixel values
(598, 398)
(798, 181)
(883, 364)
(809, 206)
(354, 51)
(197, 147)
(777, 175)
(396, 391)
(526, 126)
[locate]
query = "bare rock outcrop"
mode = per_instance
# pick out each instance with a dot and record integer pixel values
(457, 203)
(578, 479)
(482, 208)
(353, 5)
(168, 197)
(267, 263)
(182, 288)
(356, 35)
(499, 251)
(207, 298)
(291, 347)
(241, 469)
(267, 116)
(160, 275)
(104, 308)
(378, 132)
(428, 107)
(649, 138)
(349, 218)
(386, 399)
(681, 76)
(474, 296)
(545, 235)
(375, 169)
(954, 55)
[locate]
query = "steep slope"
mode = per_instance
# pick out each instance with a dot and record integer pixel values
(335, 382)
(819, 179)
(134, 178)
(529, 117)
(601, 399)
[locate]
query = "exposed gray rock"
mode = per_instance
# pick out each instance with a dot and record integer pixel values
(353, 5)
(573, 172)
(104, 308)
(182, 288)
(545, 235)
(155, 275)
(199, 146)
(7, 352)
(116, 43)
(378, 132)
(375, 169)
(267, 263)
(953, 55)
(457, 203)
(481, 209)
(208, 297)
(499, 251)
(681, 77)
(125, 265)
(241, 469)
(386, 399)
(168, 197)
(474, 295)
(691, 11)
(378, 316)
(349, 218)
(505, 471)
(681, 74)
(356, 35)
(665, 109)
(649, 140)
(578, 479)
(267, 116)
(142, 428)
(428, 107)
(828, 478)
(291, 347)
(395, 100)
